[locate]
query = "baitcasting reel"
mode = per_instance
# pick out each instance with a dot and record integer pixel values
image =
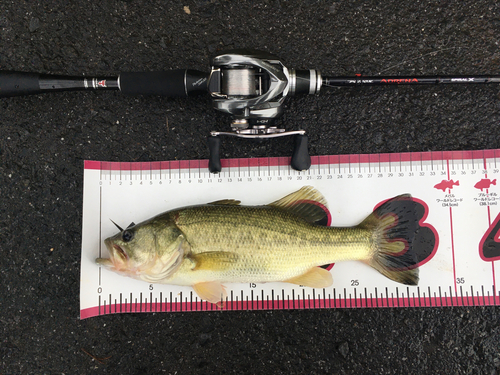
(249, 85)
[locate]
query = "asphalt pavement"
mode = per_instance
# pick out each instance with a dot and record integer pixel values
(45, 138)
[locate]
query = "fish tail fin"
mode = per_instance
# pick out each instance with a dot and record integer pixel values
(393, 225)
(494, 182)
(457, 183)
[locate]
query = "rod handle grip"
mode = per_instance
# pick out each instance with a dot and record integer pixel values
(170, 83)
(18, 83)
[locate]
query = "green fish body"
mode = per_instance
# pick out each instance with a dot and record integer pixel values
(224, 242)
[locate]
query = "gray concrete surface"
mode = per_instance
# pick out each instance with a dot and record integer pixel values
(44, 140)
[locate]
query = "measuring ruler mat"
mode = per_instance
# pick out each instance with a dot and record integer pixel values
(456, 195)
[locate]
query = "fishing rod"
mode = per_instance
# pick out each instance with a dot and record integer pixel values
(249, 85)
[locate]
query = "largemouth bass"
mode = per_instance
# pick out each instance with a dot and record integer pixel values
(224, 242)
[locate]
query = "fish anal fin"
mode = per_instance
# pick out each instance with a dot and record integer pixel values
(226, 202)
(315, 278)
(308, 203)
(211, 291)
(213, 260)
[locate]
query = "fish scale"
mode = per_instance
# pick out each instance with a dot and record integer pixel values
(297, 241)
(459, 269)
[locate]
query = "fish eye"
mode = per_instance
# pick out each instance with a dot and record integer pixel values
(127, 235)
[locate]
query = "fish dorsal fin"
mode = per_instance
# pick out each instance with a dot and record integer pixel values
(308, 203)
(226, 202)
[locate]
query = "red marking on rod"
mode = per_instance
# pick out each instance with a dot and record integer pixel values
(399, 80)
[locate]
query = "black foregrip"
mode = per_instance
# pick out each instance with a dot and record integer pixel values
(169, 83)
(19, 83)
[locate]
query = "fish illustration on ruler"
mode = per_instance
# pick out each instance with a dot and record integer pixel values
(209, 245)
(446, 184)
(485, 183)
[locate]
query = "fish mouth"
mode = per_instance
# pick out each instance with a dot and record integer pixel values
(118, 251)
(106, 262)
(117, 255)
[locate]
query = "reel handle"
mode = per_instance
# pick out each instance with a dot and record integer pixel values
(301, 160)
(214, 164)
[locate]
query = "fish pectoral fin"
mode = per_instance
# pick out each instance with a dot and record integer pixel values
(226, 202)
(213, 260)
(308, 203)
(211, 291)
(314, 278)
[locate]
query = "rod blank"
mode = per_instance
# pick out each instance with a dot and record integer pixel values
(406, 80)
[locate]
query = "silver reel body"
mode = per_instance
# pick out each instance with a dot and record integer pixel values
(252, 86)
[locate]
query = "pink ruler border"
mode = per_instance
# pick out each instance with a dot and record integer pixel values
(288, 304)
(280, 304)
(285, 161)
